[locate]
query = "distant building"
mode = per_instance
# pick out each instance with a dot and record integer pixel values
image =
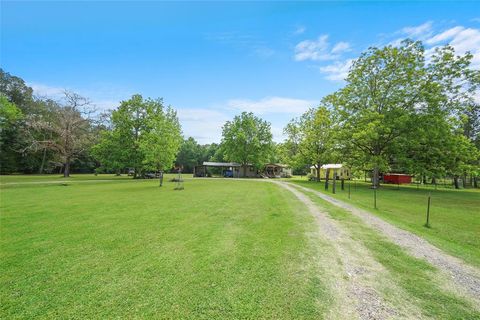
(226, 169)
(343, 172)
(277, 170)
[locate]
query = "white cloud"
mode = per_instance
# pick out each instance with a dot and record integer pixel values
(337, 71)
(102, 98)
(277, 133)
(312, 49)
(319, 49)
(270, 105)
(46, 91)
(462, 39)
(421, 31)
(341, 47)
(448, 34)
(103, 105)
(204, 125)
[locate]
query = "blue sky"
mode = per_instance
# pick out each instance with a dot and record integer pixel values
(212, 60)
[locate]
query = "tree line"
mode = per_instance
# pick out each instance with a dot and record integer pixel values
(45, 135)
(402, 109)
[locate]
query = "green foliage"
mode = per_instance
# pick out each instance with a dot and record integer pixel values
(144, 135)
(29, 144)
(190, 154)
(160, 144)
(109, 151)
(247, 140)
(310, 139)
(399, 112)
(9, 113)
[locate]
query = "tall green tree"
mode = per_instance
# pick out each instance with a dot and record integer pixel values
(110, 152)
(189, 155)
(161, 142)
(317, 143)
(377, 106)
(247, 139)
(387, 91)
(143, 134)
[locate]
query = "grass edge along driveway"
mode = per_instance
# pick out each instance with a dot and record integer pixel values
(454, 215)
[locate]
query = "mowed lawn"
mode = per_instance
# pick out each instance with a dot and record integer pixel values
(454, 214)
(129, 249)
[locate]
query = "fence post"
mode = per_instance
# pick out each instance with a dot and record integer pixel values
(375, 198)
(427, 224)
(334, 180)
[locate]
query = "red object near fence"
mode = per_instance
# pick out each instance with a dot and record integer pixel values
(397, 178)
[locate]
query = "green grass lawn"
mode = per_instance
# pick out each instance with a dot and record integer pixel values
(215, 250)
(454, 214)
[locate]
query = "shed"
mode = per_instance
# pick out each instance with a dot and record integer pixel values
(343, 172)
(397, 178)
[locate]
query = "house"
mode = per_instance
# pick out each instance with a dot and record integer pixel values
(225, 169)
(342, 171)
(277, 170)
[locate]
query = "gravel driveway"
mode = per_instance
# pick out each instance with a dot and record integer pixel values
(466, 277)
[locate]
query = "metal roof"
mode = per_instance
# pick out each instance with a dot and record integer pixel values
(221, 164)
(277, 165)
(330, 166)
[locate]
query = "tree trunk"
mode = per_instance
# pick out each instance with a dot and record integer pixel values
(455, 182)
(244, 171)
(42, 165)
(375, 178)
(318, 172)
(66, 172)
(424, 179)
(334, 186)
(343, 184)
(434, 180)
(475, 182)
(327, 178)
